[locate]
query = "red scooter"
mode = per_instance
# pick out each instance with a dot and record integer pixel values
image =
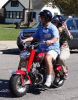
(32, 71)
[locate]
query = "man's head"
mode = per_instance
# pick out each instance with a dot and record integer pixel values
(45, 16)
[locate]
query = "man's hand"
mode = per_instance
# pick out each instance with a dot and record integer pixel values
(49, 42)
(22, 41)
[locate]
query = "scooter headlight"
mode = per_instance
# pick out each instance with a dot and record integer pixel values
(24, 54)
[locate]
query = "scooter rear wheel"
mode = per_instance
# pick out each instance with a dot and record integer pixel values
(58, 81)
(16, 87)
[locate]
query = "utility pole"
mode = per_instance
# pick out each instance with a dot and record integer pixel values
(29, 14)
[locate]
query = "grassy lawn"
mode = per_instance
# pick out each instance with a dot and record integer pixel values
(11, 26)
(7, 25)
(8, 31)
(9, 34)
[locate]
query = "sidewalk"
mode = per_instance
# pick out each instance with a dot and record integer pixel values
(8, 47)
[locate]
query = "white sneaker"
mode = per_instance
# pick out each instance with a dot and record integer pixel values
(47, 83)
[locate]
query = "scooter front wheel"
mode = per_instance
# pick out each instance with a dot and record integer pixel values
(16, 87)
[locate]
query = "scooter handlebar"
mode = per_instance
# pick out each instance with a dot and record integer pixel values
(24, 44)
(33, 45)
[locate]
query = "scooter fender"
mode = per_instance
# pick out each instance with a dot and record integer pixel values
(58, 68)
(19, 72)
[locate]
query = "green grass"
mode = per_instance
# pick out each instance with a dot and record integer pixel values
(8, 31)
(8, 34)
(7, 25)
(11, 26)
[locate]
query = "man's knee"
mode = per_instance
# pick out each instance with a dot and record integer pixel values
(48, 57)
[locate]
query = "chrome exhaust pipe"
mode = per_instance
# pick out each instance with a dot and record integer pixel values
(41, 79)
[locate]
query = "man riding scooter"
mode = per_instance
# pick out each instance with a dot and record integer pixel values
(49, 33)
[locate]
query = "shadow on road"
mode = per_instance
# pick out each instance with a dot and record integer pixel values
(4, 90)
(15, 51)
(34, 90)
(5, 93)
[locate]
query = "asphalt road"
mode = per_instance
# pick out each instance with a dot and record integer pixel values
(69, 91)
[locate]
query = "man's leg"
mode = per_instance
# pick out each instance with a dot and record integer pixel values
(48, 62)
(49, 67)
(65, 53)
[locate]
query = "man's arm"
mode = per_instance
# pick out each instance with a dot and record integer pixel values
(28, 39)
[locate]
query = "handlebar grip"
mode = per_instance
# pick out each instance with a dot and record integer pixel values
(44, 42)
(22, 43)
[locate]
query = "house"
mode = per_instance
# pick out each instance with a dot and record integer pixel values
(54, 10)
(15, 11)
(1, 15)
(18, 10)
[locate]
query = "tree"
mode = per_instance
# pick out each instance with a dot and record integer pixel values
(67, 7)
